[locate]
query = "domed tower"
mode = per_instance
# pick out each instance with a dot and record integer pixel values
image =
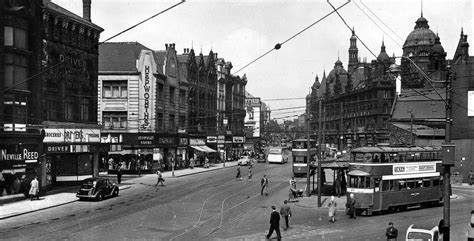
(353, 53)
(418, 47)
(337, 79)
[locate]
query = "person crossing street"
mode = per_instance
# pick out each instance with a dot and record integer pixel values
(160, 178)
(264, 184)
(274, 224)
(285, 211)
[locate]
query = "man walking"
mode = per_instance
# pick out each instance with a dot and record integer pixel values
(119, 173)
(250, 173)
(391, 233)
(264, 184)
(285, 211)
(274, 224)
(160, 178)
(351, 206)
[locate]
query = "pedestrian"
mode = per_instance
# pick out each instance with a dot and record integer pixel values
(238, 176)
(332, 209)
(285, 211)
(250, 173)
(338, 186)
(471, 177)
(119, 173)
(34, 189)
(274, 224)
(264, 184)
(391, 233)
(206, 162)
(350, 205)
(160, 178)
(293, 191)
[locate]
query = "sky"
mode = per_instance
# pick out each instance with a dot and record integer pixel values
(242, 30)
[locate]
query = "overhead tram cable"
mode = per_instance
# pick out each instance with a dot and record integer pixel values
(279, 45)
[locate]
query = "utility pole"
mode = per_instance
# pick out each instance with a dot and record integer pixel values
(448, 159)
(308, 149)
(320, 152)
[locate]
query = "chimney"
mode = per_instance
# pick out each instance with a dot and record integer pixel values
(86, 10)
(166, 46)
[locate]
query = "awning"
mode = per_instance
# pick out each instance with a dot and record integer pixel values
(357, 173)
(123, 152)
(203, 148)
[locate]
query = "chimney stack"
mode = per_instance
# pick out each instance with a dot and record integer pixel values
(166, 46)
(86, 10)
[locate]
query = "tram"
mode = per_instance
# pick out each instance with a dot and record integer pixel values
(299, 153)
(393, 178)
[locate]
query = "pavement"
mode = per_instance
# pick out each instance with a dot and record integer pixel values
(66, 195)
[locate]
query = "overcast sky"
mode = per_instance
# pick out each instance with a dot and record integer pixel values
(240, 31)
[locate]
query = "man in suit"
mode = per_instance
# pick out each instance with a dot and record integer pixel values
(285, 211)
(264, 184)
(391, 233)
(274, 223)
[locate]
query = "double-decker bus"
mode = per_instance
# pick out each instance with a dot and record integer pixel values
(393, 178)
(278, 154)
(299, 152)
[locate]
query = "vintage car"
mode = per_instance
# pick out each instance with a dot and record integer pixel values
(422, 234)
(97, 189)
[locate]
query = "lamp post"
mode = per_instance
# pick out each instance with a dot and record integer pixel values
(320, 153)
(308, 149)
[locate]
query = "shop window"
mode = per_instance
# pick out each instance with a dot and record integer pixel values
(16, 71)
(115, 89)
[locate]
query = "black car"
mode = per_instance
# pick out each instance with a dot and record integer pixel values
(97, 189)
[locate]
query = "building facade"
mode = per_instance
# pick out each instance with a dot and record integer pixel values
(49, 64)
(355, 104)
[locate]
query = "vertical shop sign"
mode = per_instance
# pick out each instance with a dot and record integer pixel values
(146, 104)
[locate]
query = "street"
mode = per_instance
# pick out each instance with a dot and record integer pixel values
(216, 206)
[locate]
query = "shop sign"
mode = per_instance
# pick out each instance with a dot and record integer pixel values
(196, 142)
(146, 91)
(212, 139)
(58, 148)
(252, 102)
(220, 139)
(18, 156)
(183, 141)
(146, 140)
(220, 145)
(238, 139)
(166, 140)
(59, 135)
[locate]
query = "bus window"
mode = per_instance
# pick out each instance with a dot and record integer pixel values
(299, 159)
(418, 183)
(426, 182)
(376, 158)
(410, 184)
(436, 181)
(366, 182)
(410, 157)
(376, 184)
(402, 185)
(403, 157)
(358, 157)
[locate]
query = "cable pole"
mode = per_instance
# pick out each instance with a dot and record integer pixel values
(448, 159)
(308, 150)
(320, 152)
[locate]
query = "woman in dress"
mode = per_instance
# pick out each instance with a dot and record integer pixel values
(34, 189)
(332, 210)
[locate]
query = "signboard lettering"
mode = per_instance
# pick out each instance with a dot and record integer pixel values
(413, 168)
(146, 92)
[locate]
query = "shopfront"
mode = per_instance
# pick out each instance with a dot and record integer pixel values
(19, 164)
(199, 150)
(131, 152)
(165, 151)
(72, 155)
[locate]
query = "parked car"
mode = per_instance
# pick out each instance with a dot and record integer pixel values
(422, 234)
(97, 189)
(245, 161)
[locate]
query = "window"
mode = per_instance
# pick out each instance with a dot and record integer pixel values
(15, 37)
(16, 71)
(68, 110)
(182, 121)
(114, 120)
(171, 122)
(388, 185)
(359, 182)
(436, 181)
(85, 109)
(161, 95)
(159, 121)
(115, 89)
(299, 159)
(172, 95)
(426, 182)
(15, 113)
(402, 185)
(182, 98)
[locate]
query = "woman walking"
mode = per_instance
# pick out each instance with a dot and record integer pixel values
(34, 189)
(332, 210)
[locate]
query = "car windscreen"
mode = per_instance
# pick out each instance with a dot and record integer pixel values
(88, 184)
(417, 236)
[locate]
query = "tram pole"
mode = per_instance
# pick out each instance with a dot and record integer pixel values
(320, 153)
(448, 159)
(308, 149)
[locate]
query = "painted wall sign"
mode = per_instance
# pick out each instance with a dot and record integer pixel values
(238, 139)
(211, 139)
(197, 142)
(18, 156)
